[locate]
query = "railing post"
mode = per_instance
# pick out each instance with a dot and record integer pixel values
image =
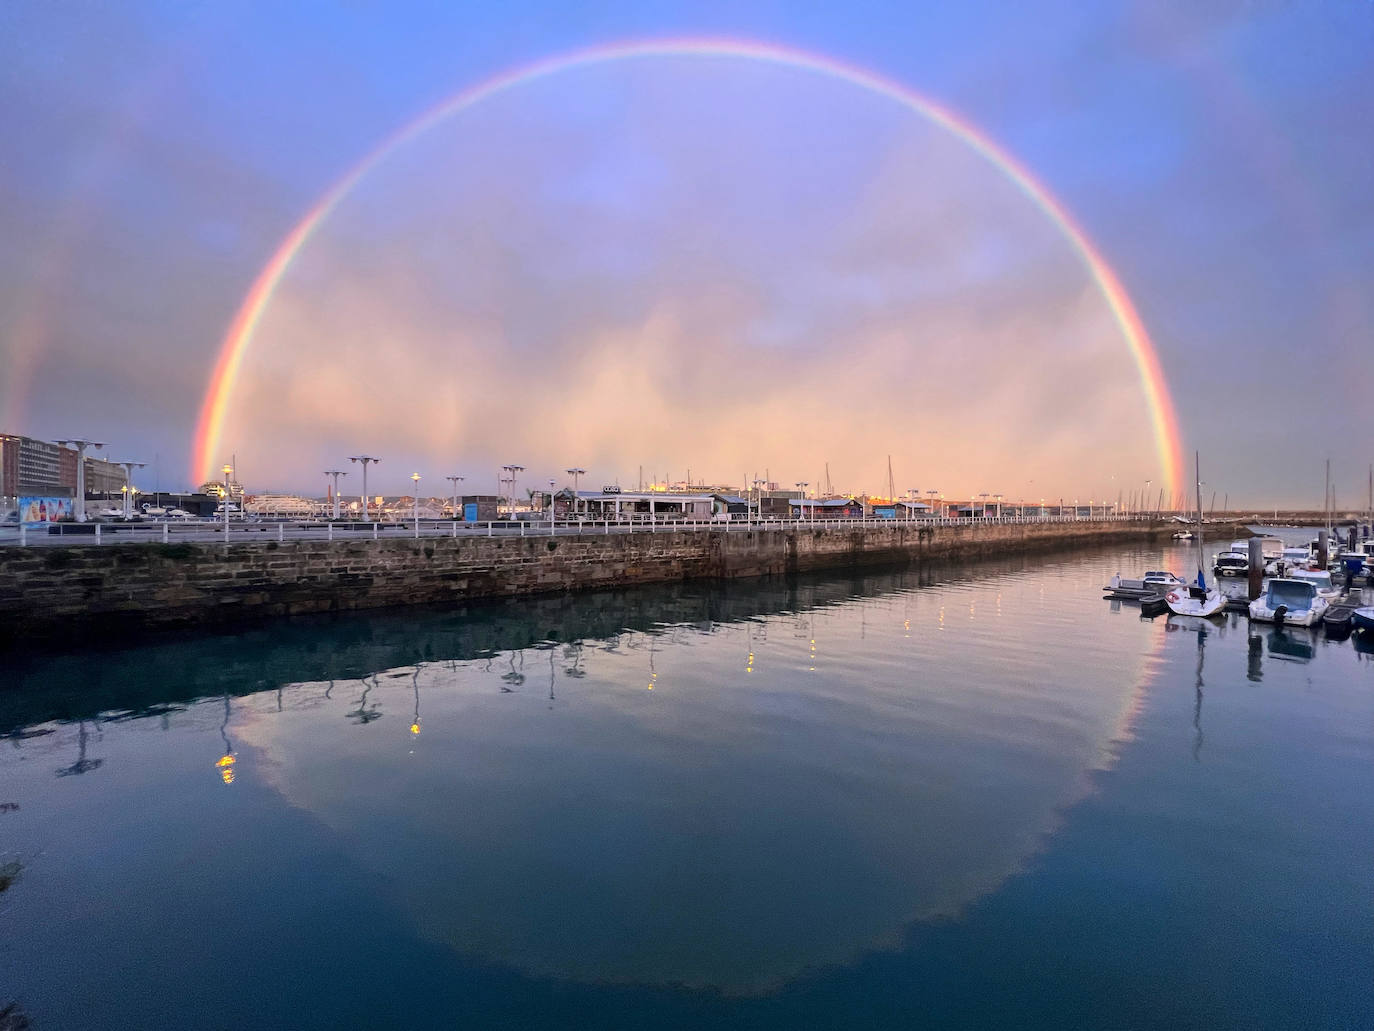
(23, 536)
(329, 527)
(97, 533)
(164, 533)
(374, 531)
(281, 532)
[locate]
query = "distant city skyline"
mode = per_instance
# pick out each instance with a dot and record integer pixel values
(699, 259)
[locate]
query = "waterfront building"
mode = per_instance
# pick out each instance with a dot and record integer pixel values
(826, 508)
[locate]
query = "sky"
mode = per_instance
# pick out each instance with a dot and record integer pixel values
(692, 262)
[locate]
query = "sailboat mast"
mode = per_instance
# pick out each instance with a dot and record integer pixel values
(1197, 466)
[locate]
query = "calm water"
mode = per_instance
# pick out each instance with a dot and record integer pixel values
(973, 797)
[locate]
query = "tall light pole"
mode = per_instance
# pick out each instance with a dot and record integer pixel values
(575, 473)
(915, 496)
(455, 480)
(984, 496)
(227, 470)
(128, 468)
(932, 494)
(336, 473)
(415, 502)
(802, 485)
(551, 507)
(758, 499)
(998, 499)
(80, 445)
(366, 460)
(512, 469)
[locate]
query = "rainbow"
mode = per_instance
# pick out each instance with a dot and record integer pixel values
(240, 333)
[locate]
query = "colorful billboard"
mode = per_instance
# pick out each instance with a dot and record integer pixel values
(37, 511)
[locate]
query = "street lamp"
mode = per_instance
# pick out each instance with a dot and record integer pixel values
(80, 445)
(551, 508)
(575, 473)
(128, 468)
(758, 498)
(984, 511)
(336, 473)
(415, 502)
(365, 460)
(512, 469)
(998, 498)
(455, 480)
(932, 494)
(915, 496)
(802, 485)
(225, 503)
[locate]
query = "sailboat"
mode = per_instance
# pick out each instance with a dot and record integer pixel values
(1197, 599)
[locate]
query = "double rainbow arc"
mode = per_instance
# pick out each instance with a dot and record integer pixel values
(237, 340)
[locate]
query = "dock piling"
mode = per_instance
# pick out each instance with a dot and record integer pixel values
(1256, 567)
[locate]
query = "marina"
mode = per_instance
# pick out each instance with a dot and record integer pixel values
(767, 804)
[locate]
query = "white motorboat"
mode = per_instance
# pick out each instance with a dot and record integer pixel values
(1152, 583)
(1290, 601)
(1319, 578)
(1231, 563)
(1197, 599)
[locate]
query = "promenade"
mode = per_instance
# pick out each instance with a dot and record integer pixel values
(137, 583)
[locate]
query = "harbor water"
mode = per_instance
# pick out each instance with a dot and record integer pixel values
(966, 796)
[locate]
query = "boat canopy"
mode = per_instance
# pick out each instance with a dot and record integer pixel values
(1296, 595)
(1320, 578)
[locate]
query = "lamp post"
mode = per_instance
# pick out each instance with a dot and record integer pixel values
(127, 491)
(802, 485)
(512, 469)
(551, 508)
(758, 498)
(998, 498)
(80, 445)
(415, 502)
(336, 473)
(983, 512)
(575, 473)
(455, 480)
(365, 460)
(225, 503)
(932, 494)
(915, 496)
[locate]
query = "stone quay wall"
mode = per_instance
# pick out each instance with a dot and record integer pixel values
(64, 593)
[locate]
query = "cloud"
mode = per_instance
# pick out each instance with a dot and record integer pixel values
(661, 288)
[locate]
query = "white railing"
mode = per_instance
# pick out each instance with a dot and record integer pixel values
(247, 532)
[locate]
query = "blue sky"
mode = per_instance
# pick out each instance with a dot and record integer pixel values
(1218, 154)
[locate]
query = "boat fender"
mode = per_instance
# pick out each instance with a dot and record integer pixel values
(1280, 613)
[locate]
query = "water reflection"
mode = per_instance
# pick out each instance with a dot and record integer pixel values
(82, 763)
(708, 804)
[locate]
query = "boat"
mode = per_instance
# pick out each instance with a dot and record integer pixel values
(1152, 583)
(1319, 578)
(1339, 618)
(1197, 599)
(1183, 535)
(1231, 563)
(1363, 619)
(1287, 600)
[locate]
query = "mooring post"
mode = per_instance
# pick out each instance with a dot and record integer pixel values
(1256, 546)
(1323, 550)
